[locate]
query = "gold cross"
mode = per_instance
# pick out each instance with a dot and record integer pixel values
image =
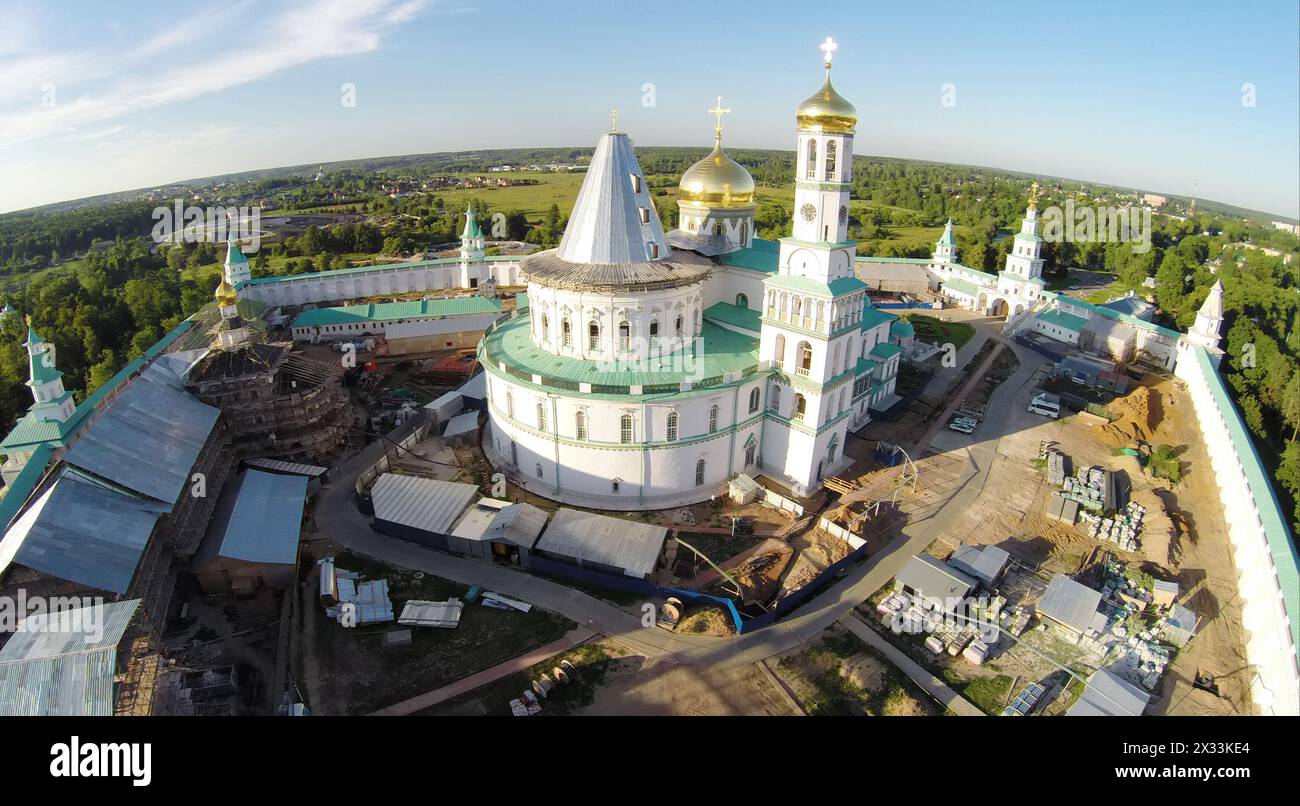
(613, 120)
(1033, 195)
(718, 111)
(828, 47)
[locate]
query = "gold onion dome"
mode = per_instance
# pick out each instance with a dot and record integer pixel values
(827, 111)
(717, 180)
(225, 293)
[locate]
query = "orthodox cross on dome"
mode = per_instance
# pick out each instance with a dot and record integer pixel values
(718, 111)
(613, 120)
(828, 47)
(1033, 196)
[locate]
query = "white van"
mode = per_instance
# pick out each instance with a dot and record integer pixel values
(1045, 405)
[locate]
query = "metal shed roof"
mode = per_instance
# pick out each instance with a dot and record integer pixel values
(934, 579)
(634, 547)
(83, 532)
(1107, 694)
(1070, 603)
(502, 521)
(281, 466)
(466, 423)
(62, 664)
(147, 439)
(982, 562)
(421, 503)
(258, 520)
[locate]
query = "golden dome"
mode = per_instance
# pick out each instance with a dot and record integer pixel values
(225, 293)
(827, 111)
(717, 181)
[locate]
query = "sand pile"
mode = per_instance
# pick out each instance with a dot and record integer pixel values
(1136, 418)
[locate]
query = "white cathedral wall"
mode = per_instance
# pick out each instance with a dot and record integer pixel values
(1275, 688)
(651, 473)
(609, 311)
(724, 284)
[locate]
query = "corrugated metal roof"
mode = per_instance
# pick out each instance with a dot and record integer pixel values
(1069, 602)
(1107, 694)
(461, 424)
(281, 466)
(629, 545)
(83, 532)
(1061, 319)
(426, 504)
(258, 520)
(491, 519)
(147, 439)
(436, 327)
(728, 314)
(386, 311)
(935, 581)
(63, 664)
(983, 562)
(20, 489)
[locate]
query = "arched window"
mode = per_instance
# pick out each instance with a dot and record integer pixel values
(510, 405)
(812, 160)
(774, 400)
(566, 333)
(744, 233)
(800, 407)
(796, 307)
(624, 335)
(832, 448)
(742, 301)
(514, 453)
(751, 451)
(713, 419)
(778, 351)
(699, 473)
(625, 429)
(580, 425)
(654, 329)
(839, 357)
(753, 400)
(672, 426)
(830, 158)
(593, 336)
(803, 363)
(539, 470)
(546, 328)
(541, 416)
(679, 325)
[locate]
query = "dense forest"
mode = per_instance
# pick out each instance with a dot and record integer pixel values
(110, 303)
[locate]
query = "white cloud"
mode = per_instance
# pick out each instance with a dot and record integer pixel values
(208, 53)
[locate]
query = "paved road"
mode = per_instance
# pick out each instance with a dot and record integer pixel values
(337, 516)
(933, 686)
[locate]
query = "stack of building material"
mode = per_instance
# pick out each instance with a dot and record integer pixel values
(420, 613)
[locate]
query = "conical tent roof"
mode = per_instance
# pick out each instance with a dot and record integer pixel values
(605, 226)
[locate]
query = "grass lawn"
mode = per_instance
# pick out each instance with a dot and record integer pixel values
(989, 694)
(816, 675)
(933, 331)
(358, 674)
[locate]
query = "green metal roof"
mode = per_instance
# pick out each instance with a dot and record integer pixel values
(721, 351)
(388, 311)
(1110, 313)
(42, 371)
(969, 289)
(234, 254)
(760, 255)
(947, 238)
(33, 337)
(902, 329)
(1281, 543)
(521, 301)
(471, 225)
(974, 275)
(864, 366)
(807, 285)
(1062, 319)
(885, 350)
(735, 315)
(20, 489)
(1019, 279)
(31, 430)
(871, 317)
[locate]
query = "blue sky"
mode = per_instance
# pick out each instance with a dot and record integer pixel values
(99, 97)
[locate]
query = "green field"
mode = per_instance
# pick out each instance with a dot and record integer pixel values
(932, 331)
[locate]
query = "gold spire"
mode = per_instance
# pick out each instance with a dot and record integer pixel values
(718, 111)
(1033, 196)
(613, 120)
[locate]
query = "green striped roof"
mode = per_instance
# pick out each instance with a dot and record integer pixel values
(1062, 319)
(808, 285)
(388, 311)
(1281, 544)
(42, 370)
(760, 255)
(1111, 313)
(17, 492)
(969, 289)
(722, 351)
(871, 317)
(727, 314)
(885, 350)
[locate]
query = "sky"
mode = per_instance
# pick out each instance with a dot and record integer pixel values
(1162, 96)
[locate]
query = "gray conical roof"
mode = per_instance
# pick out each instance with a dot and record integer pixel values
(1213, 306)
(605, 226)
